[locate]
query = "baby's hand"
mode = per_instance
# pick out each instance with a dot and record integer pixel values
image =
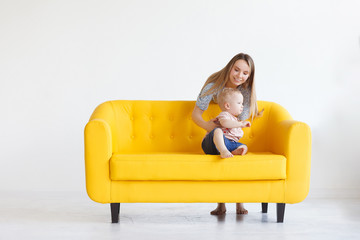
(246, 124)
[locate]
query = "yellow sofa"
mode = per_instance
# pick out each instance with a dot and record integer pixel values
(150, 151)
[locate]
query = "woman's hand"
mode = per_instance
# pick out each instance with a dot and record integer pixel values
(246, 124)
(207, 125)
(212, 124)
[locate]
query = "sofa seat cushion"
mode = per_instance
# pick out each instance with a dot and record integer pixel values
(197, 167)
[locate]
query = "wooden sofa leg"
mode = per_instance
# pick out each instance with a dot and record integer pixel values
(280, 210)
(264, 207)
(115, 209)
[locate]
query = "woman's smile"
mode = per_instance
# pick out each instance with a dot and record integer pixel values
(239, 73)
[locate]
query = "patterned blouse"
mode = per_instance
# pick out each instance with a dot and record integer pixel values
(203, 102)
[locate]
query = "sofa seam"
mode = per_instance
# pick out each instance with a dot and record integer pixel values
(111, 182)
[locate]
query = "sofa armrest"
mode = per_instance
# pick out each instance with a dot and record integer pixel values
(98, 151)
(293, 140)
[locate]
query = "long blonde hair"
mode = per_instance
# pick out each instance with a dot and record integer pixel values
(221, 77)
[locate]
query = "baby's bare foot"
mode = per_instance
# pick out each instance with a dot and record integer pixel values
(226, 154)
(242, 150)
(238, 151)
(220, 210)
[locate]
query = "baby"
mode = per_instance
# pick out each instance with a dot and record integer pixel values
(225, 140)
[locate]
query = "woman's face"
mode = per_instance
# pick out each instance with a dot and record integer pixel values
(239, 73)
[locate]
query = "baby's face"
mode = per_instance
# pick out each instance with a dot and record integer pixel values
(236, 104)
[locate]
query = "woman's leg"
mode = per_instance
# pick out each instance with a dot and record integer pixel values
(221, 209)
(240, 209)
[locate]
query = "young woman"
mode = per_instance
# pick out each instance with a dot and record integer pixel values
(238, 73)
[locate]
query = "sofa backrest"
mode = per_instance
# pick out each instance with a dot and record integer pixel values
(166, 126)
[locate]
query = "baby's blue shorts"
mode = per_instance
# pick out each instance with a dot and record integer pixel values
(209, 147)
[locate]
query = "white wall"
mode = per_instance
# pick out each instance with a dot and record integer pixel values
(60, 59)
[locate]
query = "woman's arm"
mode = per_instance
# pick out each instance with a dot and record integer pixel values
(198, 119)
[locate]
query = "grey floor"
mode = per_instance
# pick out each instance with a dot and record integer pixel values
(51, 215)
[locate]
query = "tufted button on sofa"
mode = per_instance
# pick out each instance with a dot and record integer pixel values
(150, 151)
